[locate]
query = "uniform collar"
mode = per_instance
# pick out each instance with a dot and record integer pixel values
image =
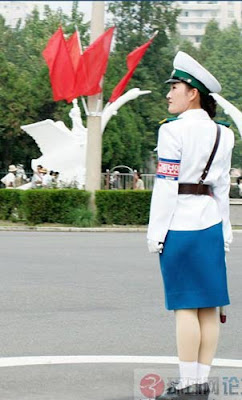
(197, 113)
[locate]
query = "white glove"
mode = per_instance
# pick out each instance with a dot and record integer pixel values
(226, 247)
(155, 247)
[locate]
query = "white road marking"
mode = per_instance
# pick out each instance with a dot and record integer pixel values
(52, 360)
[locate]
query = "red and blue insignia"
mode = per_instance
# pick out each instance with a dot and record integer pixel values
(168, 169)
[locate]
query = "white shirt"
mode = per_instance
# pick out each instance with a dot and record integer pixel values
(190, 140)
(240, 189)
(140, 185)
(47, 180)
(9, 180)
(37, 177)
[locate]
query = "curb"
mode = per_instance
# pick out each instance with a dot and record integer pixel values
(70, 229)
(75, 229)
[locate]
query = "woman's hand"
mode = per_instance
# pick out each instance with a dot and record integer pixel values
(155, 247)
(226, 247)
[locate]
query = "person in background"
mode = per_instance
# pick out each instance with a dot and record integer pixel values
(9, 180)
(56, 179)
(21, 177)
(189, 224)
(37, 178)
(239, 183)
(115, 180)
(139, 185)
(52, 178)
(47, 179)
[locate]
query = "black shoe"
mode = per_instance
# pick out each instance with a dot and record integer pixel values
(195, 392)
(203, 388)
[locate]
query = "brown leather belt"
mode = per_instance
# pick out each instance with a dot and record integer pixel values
(194, 188)
(200, 188)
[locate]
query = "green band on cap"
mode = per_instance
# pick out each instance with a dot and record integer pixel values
(185, 77)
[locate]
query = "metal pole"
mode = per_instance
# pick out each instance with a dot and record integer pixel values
(94, 139)
(107, 179)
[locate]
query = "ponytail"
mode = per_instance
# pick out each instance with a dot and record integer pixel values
(208, 104)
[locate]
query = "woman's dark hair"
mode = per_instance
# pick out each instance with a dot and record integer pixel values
(208, 104)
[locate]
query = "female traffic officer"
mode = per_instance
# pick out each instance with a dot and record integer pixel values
(189, 220)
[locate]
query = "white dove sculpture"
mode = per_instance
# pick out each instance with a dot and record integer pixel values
(112, 108)
(64, 150)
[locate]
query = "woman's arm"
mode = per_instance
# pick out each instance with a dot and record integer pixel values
(165, 191)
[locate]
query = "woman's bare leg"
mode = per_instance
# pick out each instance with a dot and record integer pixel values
(188, 335)
(188, 338)
(209, 326)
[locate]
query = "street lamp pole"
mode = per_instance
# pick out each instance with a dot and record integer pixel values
(94, 139)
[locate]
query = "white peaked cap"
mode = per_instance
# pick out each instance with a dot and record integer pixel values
(188, 70)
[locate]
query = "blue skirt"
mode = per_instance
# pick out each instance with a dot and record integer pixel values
(194, 270)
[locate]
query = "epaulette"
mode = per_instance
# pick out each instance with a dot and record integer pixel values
(223, 123)
(164, 121)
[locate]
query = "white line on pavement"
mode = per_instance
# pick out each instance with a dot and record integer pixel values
(51, 360)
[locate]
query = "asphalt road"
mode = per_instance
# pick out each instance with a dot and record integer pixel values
(92, 293)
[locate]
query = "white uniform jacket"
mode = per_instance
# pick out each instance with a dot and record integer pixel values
(184, 148)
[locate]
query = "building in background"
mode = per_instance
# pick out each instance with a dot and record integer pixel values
(12, 11)
(195, 15)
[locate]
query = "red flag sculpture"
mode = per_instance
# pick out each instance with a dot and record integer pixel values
(61, 70)
(74, 48)
(92, 66)
(133, 60)
(73, 74)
